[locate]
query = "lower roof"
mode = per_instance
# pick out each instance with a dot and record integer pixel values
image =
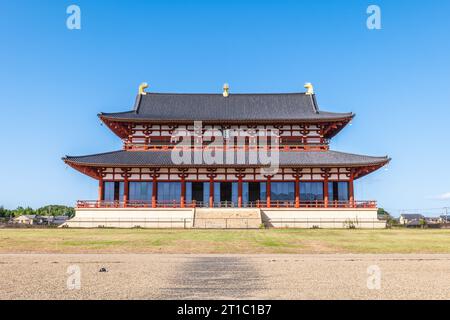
(327, 158)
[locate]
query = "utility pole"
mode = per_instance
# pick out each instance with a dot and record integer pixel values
(446, 214)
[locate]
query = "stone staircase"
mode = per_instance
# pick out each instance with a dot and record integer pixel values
(227, 218)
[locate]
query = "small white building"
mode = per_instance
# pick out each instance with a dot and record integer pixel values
(25, 219)
(406, 218)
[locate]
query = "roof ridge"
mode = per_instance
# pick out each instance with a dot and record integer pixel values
(220, 94)
(315, 104)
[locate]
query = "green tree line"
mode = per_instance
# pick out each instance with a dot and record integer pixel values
(50, 210)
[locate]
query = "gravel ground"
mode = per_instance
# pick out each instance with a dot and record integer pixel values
(164, 276)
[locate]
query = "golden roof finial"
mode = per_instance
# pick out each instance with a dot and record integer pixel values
(142, 88)
(226, 88)
(310, 88)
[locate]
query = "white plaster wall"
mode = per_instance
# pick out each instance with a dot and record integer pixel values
(325, 213)
(135, 213)
(132, 217)
(322, 218)
(184, 217)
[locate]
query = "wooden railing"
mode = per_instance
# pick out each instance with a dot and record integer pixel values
(225, 204)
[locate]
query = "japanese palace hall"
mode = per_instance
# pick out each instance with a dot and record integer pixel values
(191, 155)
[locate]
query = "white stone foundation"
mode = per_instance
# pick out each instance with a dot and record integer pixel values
(184, 218)
(361, 218)
(131, 218)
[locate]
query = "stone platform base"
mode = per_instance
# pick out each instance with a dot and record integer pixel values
(131, 218)
(226, 218)
(329, 218)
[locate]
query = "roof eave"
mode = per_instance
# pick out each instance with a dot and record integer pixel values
(345, 117)
(68, 160)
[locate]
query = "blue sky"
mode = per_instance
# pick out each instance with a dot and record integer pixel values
(54, 81)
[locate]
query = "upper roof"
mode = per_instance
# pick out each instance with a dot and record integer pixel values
(235, 107)
(287, 158)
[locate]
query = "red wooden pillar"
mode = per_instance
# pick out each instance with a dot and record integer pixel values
(211, 191)
(125, 191)
(240, 191)
(268, 191)
(183, 191)
(325, 190)
(297, 192)
(351, 190)
(154, 191)
(100, 189)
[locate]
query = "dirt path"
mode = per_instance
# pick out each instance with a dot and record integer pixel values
(221, 277)
(162, 276)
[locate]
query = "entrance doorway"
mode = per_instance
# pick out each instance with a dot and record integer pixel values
(197, 192)
(226, 194)
(254, 191)
(226, 191)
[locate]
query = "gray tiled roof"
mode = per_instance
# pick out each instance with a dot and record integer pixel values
(411, 216)
(290, 158)
(235, 107)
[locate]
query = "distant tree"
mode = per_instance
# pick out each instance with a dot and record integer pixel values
(51, 210)
(383, 214)
(422, 223)
(4, 212)
(56, 210)
(22, 211)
